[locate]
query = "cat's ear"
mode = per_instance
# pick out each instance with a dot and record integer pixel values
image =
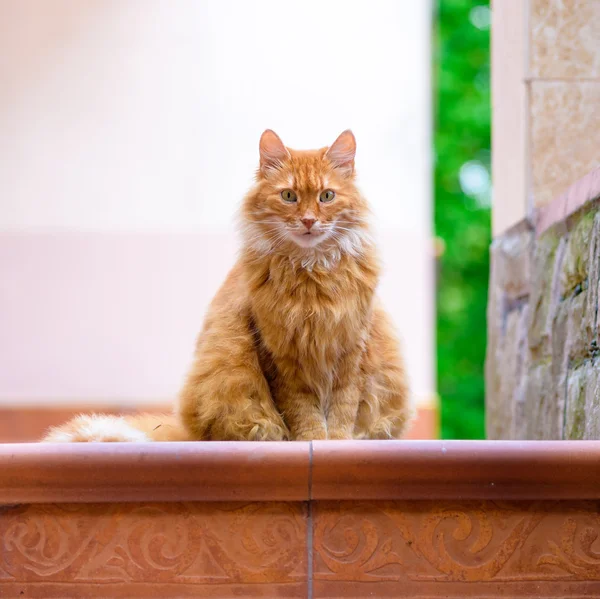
(341, 153)
(272, 152)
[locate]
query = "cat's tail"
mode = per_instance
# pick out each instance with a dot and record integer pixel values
(88, 428)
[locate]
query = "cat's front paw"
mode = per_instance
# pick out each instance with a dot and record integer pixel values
(313, 434)
(267, 431)
(339, 435)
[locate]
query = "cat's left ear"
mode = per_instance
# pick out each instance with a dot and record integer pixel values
(341, 153)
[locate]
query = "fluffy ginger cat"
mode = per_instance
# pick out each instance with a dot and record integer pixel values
(295, 344)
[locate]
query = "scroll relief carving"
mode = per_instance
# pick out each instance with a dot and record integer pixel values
(466, 542)
(188, 543)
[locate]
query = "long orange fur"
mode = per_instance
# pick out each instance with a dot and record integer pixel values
(295, 344)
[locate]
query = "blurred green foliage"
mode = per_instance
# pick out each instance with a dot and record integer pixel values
(462, 210)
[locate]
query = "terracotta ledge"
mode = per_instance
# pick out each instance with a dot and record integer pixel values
(456, 470)
(353, 470)
(123, 472)
(582, 191)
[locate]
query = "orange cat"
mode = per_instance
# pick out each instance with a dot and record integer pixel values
(295, 344)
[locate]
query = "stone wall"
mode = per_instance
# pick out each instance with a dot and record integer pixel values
(543, 358)
(543, 347)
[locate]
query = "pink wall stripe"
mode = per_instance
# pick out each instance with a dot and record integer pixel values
(104, 315)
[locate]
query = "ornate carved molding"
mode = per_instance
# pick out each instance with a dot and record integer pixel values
(458, 542)
(175, 543)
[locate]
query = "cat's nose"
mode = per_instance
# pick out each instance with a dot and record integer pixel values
(308, 222)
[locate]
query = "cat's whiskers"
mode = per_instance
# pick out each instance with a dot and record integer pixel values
(274, 240)
(263, 241)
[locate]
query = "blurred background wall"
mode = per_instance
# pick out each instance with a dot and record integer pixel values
(128, 136)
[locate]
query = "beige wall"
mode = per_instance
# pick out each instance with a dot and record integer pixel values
(546, 101)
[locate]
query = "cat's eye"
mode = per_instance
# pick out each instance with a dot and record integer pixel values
(289, 195)
(327, 195)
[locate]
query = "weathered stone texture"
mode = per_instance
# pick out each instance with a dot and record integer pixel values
(507, 338)
(582, 415)
(549, 250)
(513, 259)
(543, 418)
(543, 362)
(509, 360)
(577, 255)
(495, 312)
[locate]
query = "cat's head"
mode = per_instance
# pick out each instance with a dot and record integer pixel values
(306, 201)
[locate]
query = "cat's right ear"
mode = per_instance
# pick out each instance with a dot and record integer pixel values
(272, 152)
